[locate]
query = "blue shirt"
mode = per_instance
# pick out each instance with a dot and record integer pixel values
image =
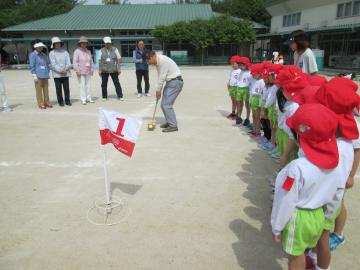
(139, 59)
(39, 64)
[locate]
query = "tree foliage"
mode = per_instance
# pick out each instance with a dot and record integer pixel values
(14, 12)
(204, 33)
(247, 9)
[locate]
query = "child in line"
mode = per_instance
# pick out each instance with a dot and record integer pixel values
(242, 96)
(232, 84)
(270, 105)
(340, 96)
(336, 237)
(307, 188)
(256, 88)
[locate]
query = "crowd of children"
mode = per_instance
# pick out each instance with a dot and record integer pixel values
(307, 125)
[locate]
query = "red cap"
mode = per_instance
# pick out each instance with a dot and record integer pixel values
(317, 80)
(265, 73)
(293, 81)
(234, 59)
(339, 95)
(245, 60)
(257, 68)
(267, 64)
(316, 126)
(276, 68)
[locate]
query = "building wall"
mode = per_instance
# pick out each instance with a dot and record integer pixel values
(313, 17)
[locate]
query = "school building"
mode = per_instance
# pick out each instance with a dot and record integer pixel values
(125, 24)
(333, 27)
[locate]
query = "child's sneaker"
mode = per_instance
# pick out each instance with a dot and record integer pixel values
(238, 121)
(250, 127)
(336, 240)
(275, 155)
(246, 122)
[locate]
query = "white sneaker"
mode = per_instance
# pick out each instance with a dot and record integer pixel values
(139, 95)
(83, 102)
(7, 109)
(91, 101)
(121, 99)
(148, 95)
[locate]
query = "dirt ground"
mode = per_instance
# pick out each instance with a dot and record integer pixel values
(196, 199)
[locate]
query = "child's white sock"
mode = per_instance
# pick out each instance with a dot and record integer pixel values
(313, 256)
(319, 268)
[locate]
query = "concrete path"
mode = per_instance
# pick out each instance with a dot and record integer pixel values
(197, 199)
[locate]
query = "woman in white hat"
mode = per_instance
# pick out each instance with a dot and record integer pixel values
(39, 65)
(60, 66)
(84, 68)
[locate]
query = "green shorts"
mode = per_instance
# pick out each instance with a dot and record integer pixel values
(263, 103)
(273, 116)
(255, 102)
(330, 223)
(281, 142)
(303, 231)
(232, 91)
(242, 94)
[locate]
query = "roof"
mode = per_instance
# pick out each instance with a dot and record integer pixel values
(268, 3)
(101, 17)
(315, 29)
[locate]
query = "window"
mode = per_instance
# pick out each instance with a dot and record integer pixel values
(348, 9)
(292, 19)
(356, 8)
(340, 11)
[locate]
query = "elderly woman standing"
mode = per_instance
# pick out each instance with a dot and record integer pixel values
(60, 66)
(84, 68)
(39, 64)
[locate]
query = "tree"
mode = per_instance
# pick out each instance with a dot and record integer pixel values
(204, 33)
(247, 9)
(14, 12)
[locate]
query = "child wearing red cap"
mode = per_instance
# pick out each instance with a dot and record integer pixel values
(310, 188)
(339, 95)
(242, 96)
(337, 238)
(256, 88)
(232, 84)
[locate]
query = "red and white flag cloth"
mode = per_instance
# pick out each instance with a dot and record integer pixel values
(119, 129)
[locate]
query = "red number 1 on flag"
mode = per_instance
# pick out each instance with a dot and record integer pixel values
(120, 127)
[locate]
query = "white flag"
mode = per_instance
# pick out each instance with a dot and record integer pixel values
(120, 130)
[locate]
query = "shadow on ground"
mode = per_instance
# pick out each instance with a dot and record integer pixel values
(130, 189)
(255, 249)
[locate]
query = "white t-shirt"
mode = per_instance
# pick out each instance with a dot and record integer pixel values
(290, 108)
(256, 87)
(312, 187)
(245, 78)
(271, 97)
(356, 143)
(264, 94)
(306, 61)
(234, 77)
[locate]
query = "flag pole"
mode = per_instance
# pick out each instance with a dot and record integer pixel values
(107, 186)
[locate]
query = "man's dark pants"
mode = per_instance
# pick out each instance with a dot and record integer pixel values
(139, 75)
(115, 79)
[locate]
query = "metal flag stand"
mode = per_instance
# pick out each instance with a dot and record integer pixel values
(109, 208)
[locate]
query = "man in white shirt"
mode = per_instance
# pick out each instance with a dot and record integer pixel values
(170, 75)
(109, 65)
(4, 106)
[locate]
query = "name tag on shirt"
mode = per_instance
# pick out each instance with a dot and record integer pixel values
(87, 64)
(108, 59)
(42, 67)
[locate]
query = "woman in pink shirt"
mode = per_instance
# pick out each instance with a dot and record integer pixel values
(84, 68)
